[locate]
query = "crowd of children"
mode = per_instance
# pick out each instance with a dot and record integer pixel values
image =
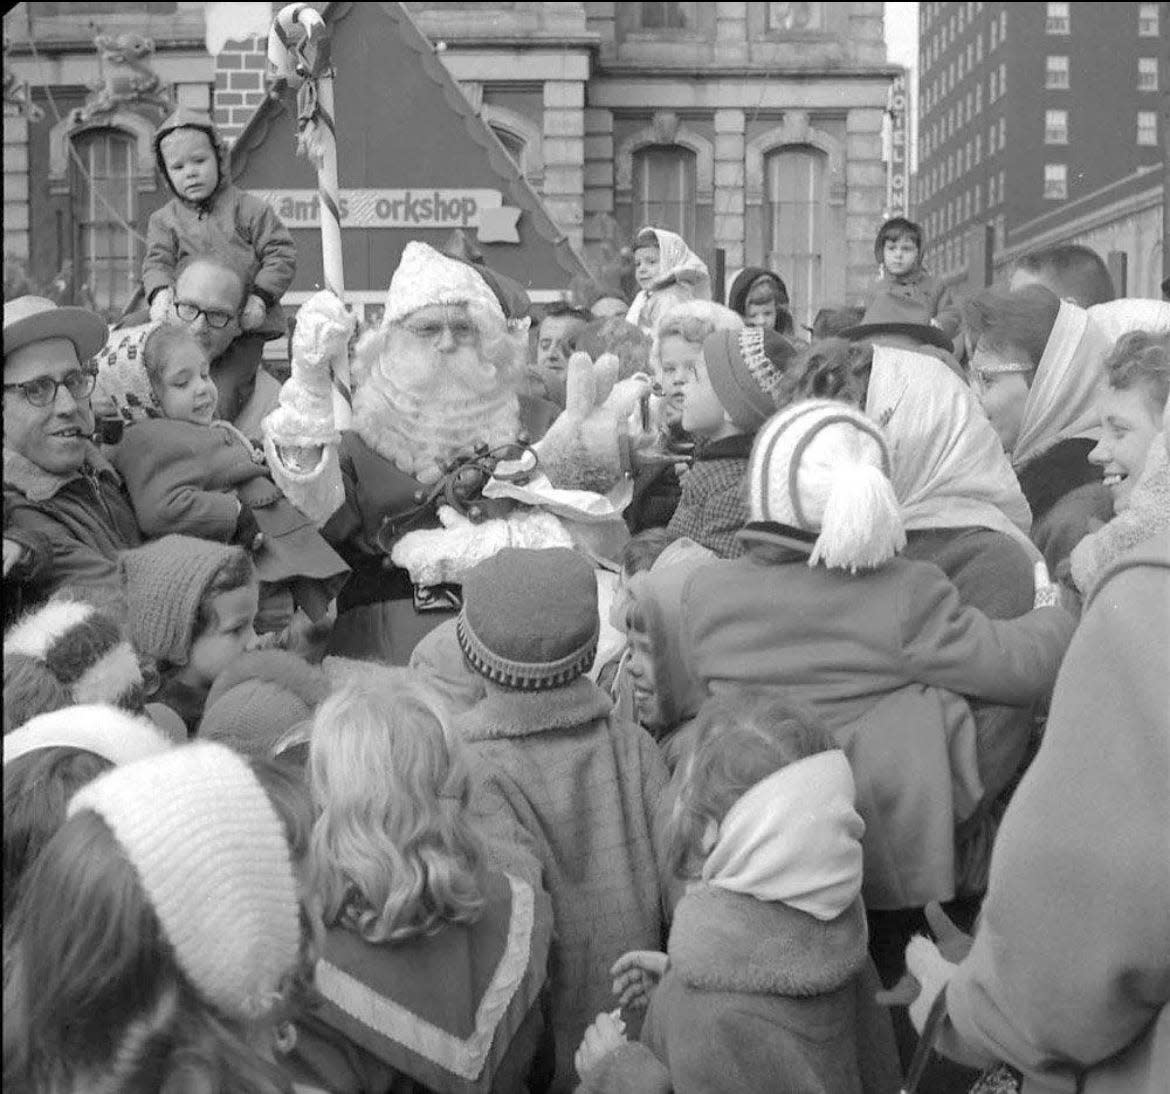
(519, 865)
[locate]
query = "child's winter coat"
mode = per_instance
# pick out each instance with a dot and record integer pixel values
(883, 657)
(712, 509)
(682, 276)
(188, 479)
(919, 292)
(583, 787)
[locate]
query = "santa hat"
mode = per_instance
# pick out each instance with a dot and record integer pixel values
(114, 735)
(529, 619)
(255, 702)
(425, 277)
(747, 369)
(819, 477)
(212, 858)
(63, 653)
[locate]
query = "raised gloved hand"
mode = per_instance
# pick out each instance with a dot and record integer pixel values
(247, 533)
(929, 966)
(437, 556)
(160, 305)
(253, 314)
(588, 447)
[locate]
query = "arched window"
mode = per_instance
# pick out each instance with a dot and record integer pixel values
(796, 209)
(104, 193)
(664, 188)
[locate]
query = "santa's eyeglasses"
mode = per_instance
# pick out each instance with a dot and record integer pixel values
(463, 331)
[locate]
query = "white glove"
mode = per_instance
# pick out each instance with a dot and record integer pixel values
(932, 971)
(1047, 594)
(322, 331)
(160, 306)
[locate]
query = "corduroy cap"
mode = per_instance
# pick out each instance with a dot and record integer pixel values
(213, 860)
(163, 583)
(529, 620)
(747, 369)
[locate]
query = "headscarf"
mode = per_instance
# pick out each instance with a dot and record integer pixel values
(947, 465)
(1061, 403)
(676, 262)
(122, 379)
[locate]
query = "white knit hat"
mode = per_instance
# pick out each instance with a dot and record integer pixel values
(103, 730)
(213, 859)
(821, 469)
(425, 277)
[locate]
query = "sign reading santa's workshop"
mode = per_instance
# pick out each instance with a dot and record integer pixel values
(414, 161)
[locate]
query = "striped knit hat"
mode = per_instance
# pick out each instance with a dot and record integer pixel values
(529, 619)
(747, 368)
(213, 860)
(65, 653)
(113, 734)
(818, 478)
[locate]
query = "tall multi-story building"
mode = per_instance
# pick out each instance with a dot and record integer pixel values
(1041, 120)
(754, 128)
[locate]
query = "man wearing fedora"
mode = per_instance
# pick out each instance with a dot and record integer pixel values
(58, 489)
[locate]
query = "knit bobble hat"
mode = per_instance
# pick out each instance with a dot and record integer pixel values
(821, 469)
(747, 369)
(114, 735)
(213, 860)
(255, 702)
(67, 652)
(529, 619)
(163, 583)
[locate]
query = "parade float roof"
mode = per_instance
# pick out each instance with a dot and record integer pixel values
(414, 160)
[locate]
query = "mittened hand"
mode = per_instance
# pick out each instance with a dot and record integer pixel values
(1047, 594)
(253, 314)
(635, 976)
(322, 331)
(607, 1033)
(587, 447)
(160, 305)
(929, 966)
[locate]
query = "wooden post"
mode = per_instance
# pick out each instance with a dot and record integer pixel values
(718, 274)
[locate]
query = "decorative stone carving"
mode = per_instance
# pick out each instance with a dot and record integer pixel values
(127, 79)
(656, 133)
(793, 130)
(664, 125)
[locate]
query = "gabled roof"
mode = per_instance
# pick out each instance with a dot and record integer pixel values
(402, 122)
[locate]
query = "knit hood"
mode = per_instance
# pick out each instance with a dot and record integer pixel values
(743, 283)
(678, 263)
(794, 838)
(186, 118)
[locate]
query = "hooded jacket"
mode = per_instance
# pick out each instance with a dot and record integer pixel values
(682, 276)
(742, 285)
(769, 986)
(230, 224)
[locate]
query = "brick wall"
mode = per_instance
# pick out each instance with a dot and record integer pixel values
(240, 70)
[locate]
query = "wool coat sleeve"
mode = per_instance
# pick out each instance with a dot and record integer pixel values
(67, 558)
(273, 245)
(162, 252)
(166, 488)
(1071, 962)
(950, 645)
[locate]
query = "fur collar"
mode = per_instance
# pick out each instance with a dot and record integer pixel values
(724, 941)
(508, 713)
(38, 485)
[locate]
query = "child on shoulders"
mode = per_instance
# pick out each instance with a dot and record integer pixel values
(911, 290)
(668, 272)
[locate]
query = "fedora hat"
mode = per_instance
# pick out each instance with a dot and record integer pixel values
(891, 315)
(29, 319)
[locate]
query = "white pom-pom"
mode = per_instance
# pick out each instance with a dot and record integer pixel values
(862, 524)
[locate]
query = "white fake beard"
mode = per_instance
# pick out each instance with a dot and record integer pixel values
(418, 408)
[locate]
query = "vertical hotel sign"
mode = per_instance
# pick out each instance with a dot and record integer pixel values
(897, 157)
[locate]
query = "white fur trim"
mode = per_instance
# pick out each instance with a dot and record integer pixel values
(106, 731)
(114, 674)
(464, 1057)
(34, 635)
(425, 277)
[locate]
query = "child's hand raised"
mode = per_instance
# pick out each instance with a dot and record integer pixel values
(636, 975)
(607, 1033)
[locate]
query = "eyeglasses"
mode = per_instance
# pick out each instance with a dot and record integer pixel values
(216, 320)
(463, 331)
(42, 391)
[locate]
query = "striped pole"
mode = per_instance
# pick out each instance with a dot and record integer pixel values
(308, 61)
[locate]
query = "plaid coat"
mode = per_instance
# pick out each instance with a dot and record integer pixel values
(713, 507)
(580, 788)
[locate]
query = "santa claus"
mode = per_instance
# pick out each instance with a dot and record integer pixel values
(435, 403)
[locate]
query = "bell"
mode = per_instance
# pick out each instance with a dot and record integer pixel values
(475, 514)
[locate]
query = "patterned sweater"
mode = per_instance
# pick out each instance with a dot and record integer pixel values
(712, 508)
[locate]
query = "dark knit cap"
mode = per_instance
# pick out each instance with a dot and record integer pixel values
(164, 583)
(748, 368)
(529, 619)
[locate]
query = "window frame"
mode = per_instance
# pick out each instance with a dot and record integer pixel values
(1052, 72)
(1150, 130)
(1058, 19)
(1056, 133)
(1056, 178)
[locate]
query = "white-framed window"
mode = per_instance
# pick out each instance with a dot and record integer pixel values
(1147, 20)
(1002, 78)
(104, 195)
(978, 199)
(967, 205)
(991, 192)
(671, 16)
(1056, 73)
(796, 212)
(1055, 181)
(979, 48)
(1147, 74)
(1057, 20)
(664, 188)
(979, 97)
(795, 17)
(991, 131)
(1003, 25)
(1003, 186)
(1147, 127)
(1056, 127)
(993, 87)
(993, 36)
(978, 148)
(1002, 133)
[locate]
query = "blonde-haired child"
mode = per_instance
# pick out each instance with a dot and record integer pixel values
(766, 984)
(428, 950)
